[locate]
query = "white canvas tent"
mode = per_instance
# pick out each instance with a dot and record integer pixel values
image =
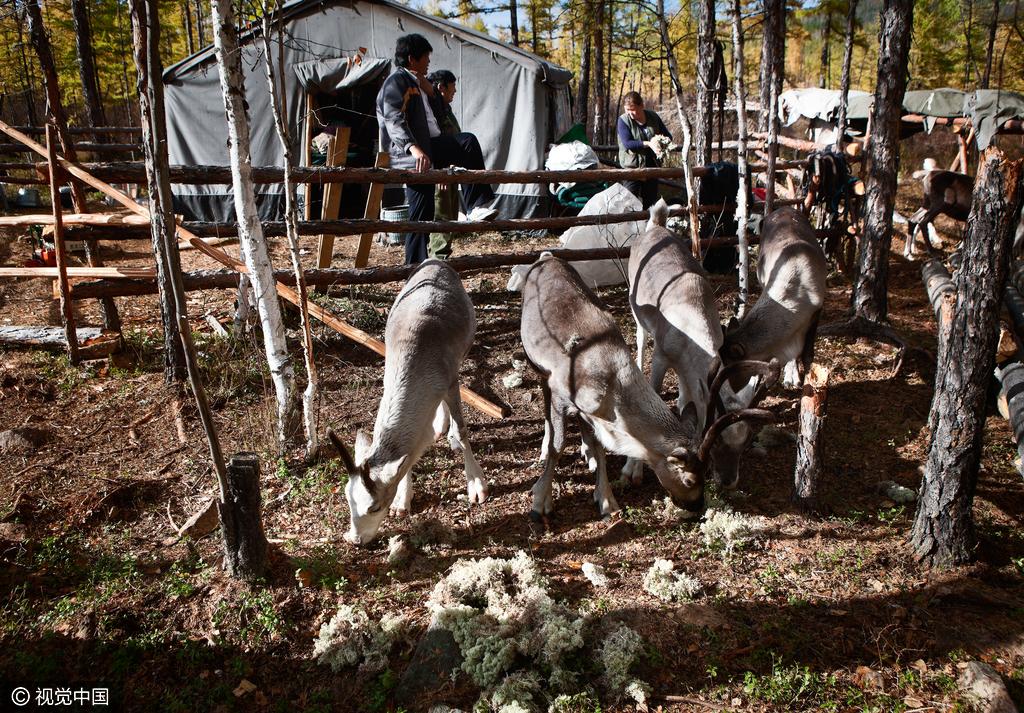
(515, 102)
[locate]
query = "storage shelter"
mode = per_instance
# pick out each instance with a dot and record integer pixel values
(337, 53)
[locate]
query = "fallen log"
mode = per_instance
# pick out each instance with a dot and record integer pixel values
(938, 284)
(93, 342)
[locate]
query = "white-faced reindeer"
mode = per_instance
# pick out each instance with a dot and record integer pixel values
(783, 322)
(588, 371)
(943, 193)
(673, 301)
(429, 331)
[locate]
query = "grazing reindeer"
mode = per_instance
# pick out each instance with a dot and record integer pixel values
(587, 371)
(945, 193)
(783, 322)
(673, 301)
(429, 331)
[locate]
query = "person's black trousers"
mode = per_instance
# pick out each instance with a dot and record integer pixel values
(447, 150)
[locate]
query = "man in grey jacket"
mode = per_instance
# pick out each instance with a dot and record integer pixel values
(407, 110)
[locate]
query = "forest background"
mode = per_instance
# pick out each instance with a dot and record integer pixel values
(965, 44)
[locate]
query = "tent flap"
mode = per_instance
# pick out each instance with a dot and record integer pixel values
(337, 73)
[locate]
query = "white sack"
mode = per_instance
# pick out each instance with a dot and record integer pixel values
(597, 273)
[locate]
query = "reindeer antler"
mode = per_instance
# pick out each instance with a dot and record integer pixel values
(768, 371)
(723, 422)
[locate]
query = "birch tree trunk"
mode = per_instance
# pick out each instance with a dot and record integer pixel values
(706, 83)
(87, 64)
(870, 287)
(278, 103)
(741, 161)
(844, 99)
(677, 88)
(146, 33)
(943, 531)
(250, 231)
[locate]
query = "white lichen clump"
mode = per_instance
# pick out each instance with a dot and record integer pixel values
(499, 612)
(668, 585)
(728, 530)
(662, 145)
(351, 638)
(621, 650)
(595, 573)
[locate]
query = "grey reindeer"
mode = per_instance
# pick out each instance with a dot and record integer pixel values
(587, 371)
(673, 302)
(783, 322)
(429, 332)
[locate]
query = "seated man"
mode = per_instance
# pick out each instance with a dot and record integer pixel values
(407, 111)
(635, 129)
(446, 203)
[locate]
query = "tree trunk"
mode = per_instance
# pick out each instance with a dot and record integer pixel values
(37, 33)
(826, 38)
(278, 103)
(870, 288)
(583, 89)
(241, 513)
(250, 231)
(943, 531)
(513, 24)
(706, 82)
(186, 12)
(773, 56)
(992, 26)
(534, 37)
(813, 408)
(741, 160)
(145, 35)
(87, 65)
(30, 97)
(677, 88)
(600, 92)
(200, 34)
(245, 546)
(844, 99)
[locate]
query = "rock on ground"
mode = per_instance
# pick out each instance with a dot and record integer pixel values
(981, 683)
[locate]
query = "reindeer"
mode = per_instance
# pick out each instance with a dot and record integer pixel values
(783, 322)
(587, 371)
(944, 193)
(429, 331)
(673, 301)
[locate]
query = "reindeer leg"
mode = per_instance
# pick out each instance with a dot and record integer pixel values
(554, 443)
(442, 420)
(807, 355)
(603, 496)
(641, 342)
(401, 506)
(476, 486)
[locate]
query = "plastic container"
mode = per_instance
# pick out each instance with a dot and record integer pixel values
(395, 214)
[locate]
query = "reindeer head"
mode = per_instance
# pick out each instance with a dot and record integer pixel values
(370, 489)
(723, 438)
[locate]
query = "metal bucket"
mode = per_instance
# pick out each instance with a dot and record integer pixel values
(395, 214)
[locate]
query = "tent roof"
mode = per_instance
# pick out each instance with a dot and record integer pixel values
(551, 73)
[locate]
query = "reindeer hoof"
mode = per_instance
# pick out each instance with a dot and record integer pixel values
(477, 494)
(540, 519)
(399, 513)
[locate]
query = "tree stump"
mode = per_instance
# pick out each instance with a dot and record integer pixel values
(943, 530)
(808, 445)
(241, 519)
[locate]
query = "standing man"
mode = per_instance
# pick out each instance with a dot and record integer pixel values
(407, 111)
(635, 130)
